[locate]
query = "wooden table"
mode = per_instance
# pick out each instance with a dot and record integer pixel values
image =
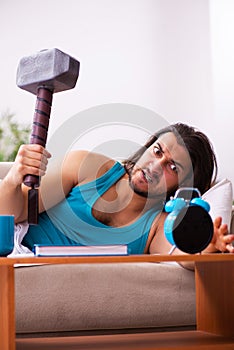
(214, 276)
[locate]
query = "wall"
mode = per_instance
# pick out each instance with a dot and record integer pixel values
(157, 54)
(222, 48)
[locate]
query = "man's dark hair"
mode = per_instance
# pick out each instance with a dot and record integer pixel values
(200, 150)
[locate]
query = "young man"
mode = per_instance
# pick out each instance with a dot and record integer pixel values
(92, 199)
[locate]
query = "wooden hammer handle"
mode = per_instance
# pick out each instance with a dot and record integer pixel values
(39, 136)
(40, 127)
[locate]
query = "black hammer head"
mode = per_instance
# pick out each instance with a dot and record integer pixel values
(52, 69)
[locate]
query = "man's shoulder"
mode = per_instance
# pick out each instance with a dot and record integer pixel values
(91, 164)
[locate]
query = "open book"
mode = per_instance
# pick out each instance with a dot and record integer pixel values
(75, 250)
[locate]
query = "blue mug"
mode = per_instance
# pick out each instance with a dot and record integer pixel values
(6, 234)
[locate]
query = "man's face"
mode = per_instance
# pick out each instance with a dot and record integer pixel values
(162, 167)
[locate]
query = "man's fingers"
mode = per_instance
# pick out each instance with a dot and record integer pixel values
(230, 248)
(226, 243)
(217, 222)
(223, 229)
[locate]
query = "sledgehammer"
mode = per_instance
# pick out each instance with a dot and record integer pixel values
(43, 74)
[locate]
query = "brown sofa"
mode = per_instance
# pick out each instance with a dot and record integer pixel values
(72, 298)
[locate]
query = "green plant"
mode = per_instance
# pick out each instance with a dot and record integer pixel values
(12, 135)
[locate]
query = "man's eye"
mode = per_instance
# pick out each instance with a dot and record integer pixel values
(173, 167)
(157, 151)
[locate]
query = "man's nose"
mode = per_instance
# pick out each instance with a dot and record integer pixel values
(158, 165)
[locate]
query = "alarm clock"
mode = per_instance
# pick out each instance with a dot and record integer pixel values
(188, 226)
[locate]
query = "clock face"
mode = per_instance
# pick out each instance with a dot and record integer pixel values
(192, 229)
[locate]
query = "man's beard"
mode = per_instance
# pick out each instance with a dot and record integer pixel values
(145, 194)
(162, 196)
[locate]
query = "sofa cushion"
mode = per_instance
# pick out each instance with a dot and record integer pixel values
(220, 198)
(52, 298)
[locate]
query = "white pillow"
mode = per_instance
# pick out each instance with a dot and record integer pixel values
(220, 198)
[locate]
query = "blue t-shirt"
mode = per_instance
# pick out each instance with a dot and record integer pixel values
(71, 221)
